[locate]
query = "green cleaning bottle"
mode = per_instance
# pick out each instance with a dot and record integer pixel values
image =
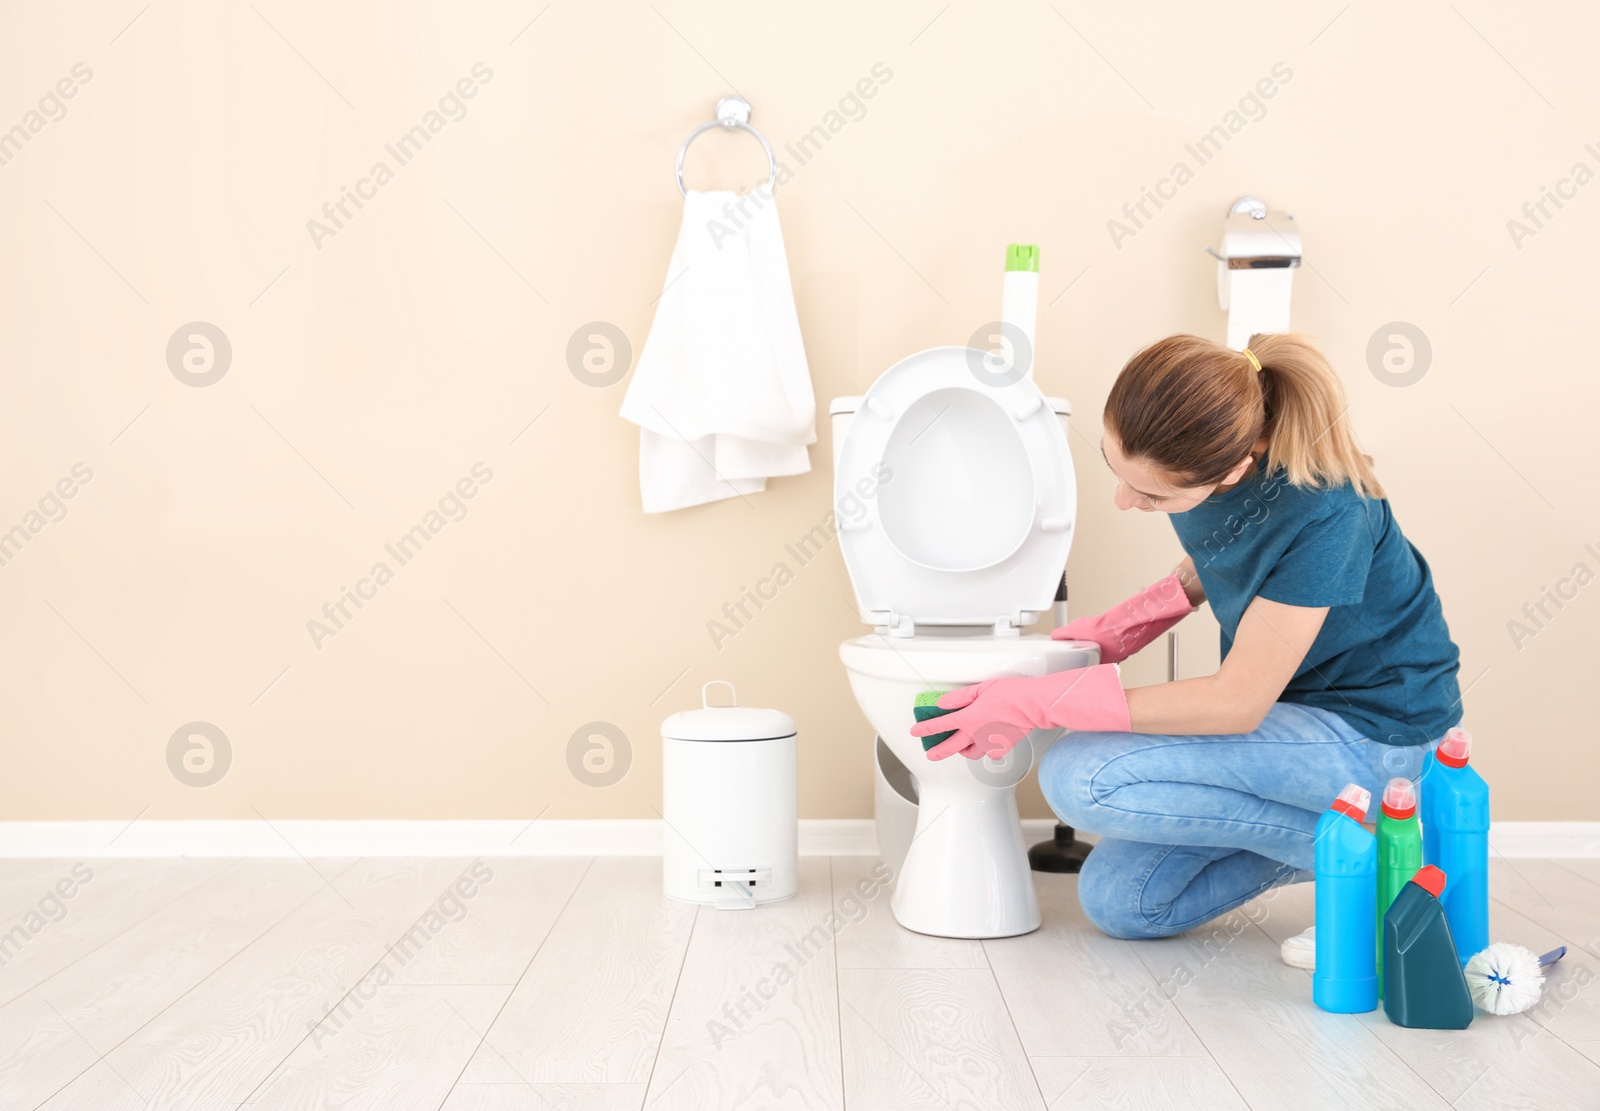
(1399, 850)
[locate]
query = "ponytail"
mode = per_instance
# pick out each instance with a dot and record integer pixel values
(1194, 409)
(1307, 423)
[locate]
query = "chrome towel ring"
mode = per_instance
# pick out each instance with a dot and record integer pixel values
(733, 113)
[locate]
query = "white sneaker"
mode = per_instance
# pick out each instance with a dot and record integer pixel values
(1300, 951)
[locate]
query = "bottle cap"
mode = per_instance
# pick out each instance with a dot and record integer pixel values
(1430, 879)
(1023, 256)
(1353, 801)
(1400, 798)
(1456, 748)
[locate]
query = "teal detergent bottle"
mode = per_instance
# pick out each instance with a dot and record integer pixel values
(1455, 838)
(1423, 983)
(1399, 852)
(1345, 980)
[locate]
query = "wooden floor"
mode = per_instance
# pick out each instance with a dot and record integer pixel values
(572, 983)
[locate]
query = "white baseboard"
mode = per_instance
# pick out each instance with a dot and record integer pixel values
(545, 837)
(1526, 840)
(464, 838)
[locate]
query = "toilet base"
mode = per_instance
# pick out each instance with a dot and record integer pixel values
(965, 870)
(966, 874)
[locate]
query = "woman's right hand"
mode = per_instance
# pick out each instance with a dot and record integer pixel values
(1096, 631)
(1124, 629)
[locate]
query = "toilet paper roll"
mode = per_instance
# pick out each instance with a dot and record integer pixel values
(1257, 301)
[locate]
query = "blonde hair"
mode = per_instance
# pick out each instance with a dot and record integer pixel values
(1194, 409)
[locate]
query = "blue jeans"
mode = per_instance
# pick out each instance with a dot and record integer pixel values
(1194, 826)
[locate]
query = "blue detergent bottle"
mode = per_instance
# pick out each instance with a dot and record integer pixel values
(1345, 980)
(1455, 839)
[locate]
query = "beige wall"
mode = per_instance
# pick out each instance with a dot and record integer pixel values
(374, 369)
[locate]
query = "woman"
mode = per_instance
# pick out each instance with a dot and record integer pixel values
(1337, 666)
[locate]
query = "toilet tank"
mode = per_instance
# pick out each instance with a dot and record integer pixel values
(842, 410)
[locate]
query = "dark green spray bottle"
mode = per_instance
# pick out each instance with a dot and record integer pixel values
(1423, 984)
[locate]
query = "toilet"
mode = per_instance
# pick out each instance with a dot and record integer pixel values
(955, 502)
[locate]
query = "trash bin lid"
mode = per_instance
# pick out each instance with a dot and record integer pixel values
(727, 723)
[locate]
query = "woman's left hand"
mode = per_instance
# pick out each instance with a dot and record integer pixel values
(990, 718)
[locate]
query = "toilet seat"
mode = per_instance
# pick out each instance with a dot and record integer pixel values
(955, 498)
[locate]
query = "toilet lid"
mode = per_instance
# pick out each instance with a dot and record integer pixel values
(954, 498)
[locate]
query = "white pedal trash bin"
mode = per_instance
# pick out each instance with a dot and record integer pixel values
(730, 804)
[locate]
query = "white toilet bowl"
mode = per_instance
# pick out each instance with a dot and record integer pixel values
(966, 873)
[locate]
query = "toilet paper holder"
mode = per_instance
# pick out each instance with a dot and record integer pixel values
(1254, 238)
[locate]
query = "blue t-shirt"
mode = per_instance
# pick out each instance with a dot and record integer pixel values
(1383, 660)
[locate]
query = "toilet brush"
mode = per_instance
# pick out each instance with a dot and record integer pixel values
(1506, 979)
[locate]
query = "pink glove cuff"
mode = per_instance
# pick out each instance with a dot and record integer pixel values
(1124, 629)
(1095, 703)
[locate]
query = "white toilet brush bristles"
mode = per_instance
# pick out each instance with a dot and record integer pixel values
(1505, 979)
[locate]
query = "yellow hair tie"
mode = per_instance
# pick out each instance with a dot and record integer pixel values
(1255, 362)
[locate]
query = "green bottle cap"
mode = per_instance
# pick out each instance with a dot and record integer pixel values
(1022, 256)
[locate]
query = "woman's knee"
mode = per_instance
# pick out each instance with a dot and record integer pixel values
(1134, 890)
(1110, 897)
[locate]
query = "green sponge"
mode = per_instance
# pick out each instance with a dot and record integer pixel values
(927, 707)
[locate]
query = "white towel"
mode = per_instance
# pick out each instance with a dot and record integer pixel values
(722, 394)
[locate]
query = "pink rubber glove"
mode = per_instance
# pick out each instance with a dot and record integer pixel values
(1124, 629)
(991, 717)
